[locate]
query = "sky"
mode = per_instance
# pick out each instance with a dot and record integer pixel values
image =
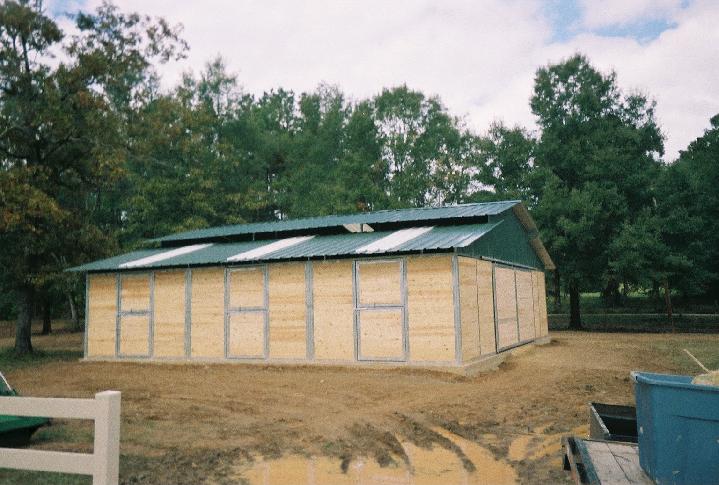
(478, 56)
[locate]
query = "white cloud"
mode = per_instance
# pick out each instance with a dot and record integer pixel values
(480, 57)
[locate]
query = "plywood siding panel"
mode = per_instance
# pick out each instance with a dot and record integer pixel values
(134, 335)
(381, 334)
(380, 282)
(525, 305)
(169, 314)
(208, 325)
(135, 292)
(506, 307)
(246, 334)
(333, 310)
(485, 298)
(430, 308)
(542, 290)
(247, 287)
(102, 315)
(469, 310)
(287, 309)
(535, 299)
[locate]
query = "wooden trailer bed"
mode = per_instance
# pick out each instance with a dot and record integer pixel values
(599, 462)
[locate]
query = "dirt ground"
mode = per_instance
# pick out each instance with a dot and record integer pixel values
(191, 423)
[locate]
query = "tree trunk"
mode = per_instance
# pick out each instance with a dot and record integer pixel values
(23, 328)
(575, 319)
(73, 311)
(46, 319)
(557, 292)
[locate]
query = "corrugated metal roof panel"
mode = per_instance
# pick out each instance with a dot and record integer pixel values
(378, 217)
(439, 238)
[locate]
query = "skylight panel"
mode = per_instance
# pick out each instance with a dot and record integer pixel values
(155, 258)
(268, 248)
(394, 240)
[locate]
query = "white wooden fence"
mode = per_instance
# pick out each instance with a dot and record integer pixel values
(103, 464)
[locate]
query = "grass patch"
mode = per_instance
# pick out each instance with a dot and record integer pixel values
(639, 323)
(21, 477)
(10, 361)
(706, 352)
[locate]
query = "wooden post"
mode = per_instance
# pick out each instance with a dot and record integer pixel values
(107, 439)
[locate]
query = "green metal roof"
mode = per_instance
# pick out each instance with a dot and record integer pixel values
(385, 219)
(438, 238)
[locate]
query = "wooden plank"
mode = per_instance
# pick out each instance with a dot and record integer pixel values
(208, 315)
(381, 334)
(627, 457)
(380, 282)
(287, 311)
(51, 407)
(246, 334)
(135, 335)
(485, 306)
(47, 461)
(169, 314)
(506, 307)
(430, 308)
(333, 310)
(525, 305)
(102, 315)
(605, 463)
(469, 310)
(135, 292)
(247, 287)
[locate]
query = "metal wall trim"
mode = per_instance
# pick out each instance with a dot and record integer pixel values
(118, 307)
(188, 312)
(355, 312)
(87, 315)
(309, 311)
(494, 306)
(226, 313)
(516, 305)
(405, 316)
(151, 323)
(457, 310)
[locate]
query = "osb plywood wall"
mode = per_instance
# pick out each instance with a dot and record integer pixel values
(477, 308)
(208, 323)
(506, 303)
(525, 305)
(381, 334)
(327, 325)
(169, 316)
(288, 311)
(333, 310)
(541, 307)
(381, 310)
(485, 296)
(102, 315)
(469, 308)
(430, 308)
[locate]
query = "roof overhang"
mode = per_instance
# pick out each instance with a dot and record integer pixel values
(531, 227)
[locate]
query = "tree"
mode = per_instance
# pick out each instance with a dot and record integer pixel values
(598, 155)
(62, 143)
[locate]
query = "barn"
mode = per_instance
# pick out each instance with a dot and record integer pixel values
(450, 287)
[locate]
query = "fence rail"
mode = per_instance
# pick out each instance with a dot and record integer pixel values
(103, 464)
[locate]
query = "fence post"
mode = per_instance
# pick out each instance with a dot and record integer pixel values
(107, 439)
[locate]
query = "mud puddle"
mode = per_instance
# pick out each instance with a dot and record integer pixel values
(424, 467)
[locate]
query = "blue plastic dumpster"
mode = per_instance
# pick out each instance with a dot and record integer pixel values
(678, 426)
